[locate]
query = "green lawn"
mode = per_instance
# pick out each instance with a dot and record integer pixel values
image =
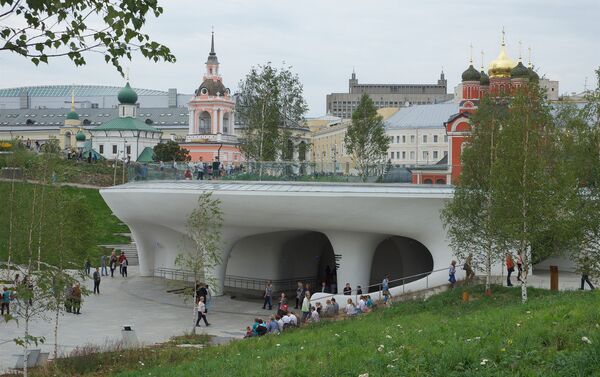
(443, 336)
(104, 223)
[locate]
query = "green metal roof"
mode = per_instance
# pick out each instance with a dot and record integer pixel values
(147, 155)
(80, 91)
(125, 124)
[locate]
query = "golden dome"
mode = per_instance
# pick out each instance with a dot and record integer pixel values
(502, 65)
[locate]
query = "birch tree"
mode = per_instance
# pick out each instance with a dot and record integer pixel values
(533, 194)
(204, 254)
(467, 217)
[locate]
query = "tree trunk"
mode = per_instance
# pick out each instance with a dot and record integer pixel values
(488, 272)
(26, 347)
(10, 225)
(56, 317)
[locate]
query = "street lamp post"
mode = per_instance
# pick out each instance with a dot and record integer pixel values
(334, 156)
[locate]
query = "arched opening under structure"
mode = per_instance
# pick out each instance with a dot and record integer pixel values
(401, 258)
(226, 121)
(284, 258)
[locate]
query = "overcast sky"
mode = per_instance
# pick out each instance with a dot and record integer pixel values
(386, 41)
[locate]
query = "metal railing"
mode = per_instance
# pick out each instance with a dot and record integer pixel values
(301, 171)
(397, 282)
(253, 284)
(177, 274)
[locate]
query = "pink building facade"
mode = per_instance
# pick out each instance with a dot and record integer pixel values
(212, 118)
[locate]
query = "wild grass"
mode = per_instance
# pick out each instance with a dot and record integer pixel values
(443, 336)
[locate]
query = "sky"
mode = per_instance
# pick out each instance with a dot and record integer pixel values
(384, 41)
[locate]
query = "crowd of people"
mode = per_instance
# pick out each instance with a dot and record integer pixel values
(9, 293)
(286, 318)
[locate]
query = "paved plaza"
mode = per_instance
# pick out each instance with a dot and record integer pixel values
(141, 302)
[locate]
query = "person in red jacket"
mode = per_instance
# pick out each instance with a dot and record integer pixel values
(510, 267)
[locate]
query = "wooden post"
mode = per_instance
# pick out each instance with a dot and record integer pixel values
(554, 278)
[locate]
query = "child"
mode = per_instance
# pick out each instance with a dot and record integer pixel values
(249, 332)
(451, 274)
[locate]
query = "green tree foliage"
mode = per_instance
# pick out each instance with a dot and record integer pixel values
(533, 193)
(270, 104)
(468, 217)
(580, 141)
(203, 254)
(171, 151)
(41, 30)
(366, 139)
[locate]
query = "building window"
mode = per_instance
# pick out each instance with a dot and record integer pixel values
(114, 149)
(424, 138)
(435, 138)
(445, 153)
(435, 154)
(398, 155)
(412, 155)
(445, 138)
(404, 138)
(404, 155)
(425, 155)
(397, 139)
(129, 149)
(391, 154)
(412, 138)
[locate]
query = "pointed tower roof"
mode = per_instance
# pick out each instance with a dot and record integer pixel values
(212, 56)
(72, 114)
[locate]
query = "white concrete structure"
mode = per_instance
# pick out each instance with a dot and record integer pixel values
(277, 230)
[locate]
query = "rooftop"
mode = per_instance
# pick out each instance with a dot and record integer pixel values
(422, 116)
(80, 91)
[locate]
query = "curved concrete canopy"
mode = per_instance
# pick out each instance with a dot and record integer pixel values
(354, 217)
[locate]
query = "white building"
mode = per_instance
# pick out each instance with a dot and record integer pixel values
(418, 135)
(126, 136)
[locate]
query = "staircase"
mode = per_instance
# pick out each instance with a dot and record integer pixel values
(130, 250)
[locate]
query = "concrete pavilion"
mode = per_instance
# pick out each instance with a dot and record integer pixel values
(282, 230)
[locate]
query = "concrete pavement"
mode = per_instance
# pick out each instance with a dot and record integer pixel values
(141, 302)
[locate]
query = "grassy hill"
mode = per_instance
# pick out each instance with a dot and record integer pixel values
(104, 223)
(488, 336)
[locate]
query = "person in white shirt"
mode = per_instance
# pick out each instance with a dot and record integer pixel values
(314, 315)
(279, 322)
(362, 304)
(293, 319)
(201, 312)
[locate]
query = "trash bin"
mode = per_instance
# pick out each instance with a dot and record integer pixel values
(554, 278)
(129, 336)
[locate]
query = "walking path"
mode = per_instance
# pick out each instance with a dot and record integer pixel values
(141, 302)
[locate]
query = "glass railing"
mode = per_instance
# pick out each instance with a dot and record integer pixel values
(269, 171)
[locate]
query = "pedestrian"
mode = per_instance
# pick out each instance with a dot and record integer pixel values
(96, 281)
(201, 312)
(336, 306)
(202, 294)
(103, 270)
(347, 289)
(268, 296)
(519, 266)
(306, 306)
(299, 290)
(385, 283)
(5, 304)
(121, 259)
(88, 266)
(358, 290)
(452, 274)
(510, 268)
(76, 299)
(113, 263)
(324, 288)
(283, 306)
(124, 265)
(585, 262)
(468, 267)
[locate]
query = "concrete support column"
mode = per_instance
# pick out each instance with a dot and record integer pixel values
(356, 251)
(216, 275)
(145, 248)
